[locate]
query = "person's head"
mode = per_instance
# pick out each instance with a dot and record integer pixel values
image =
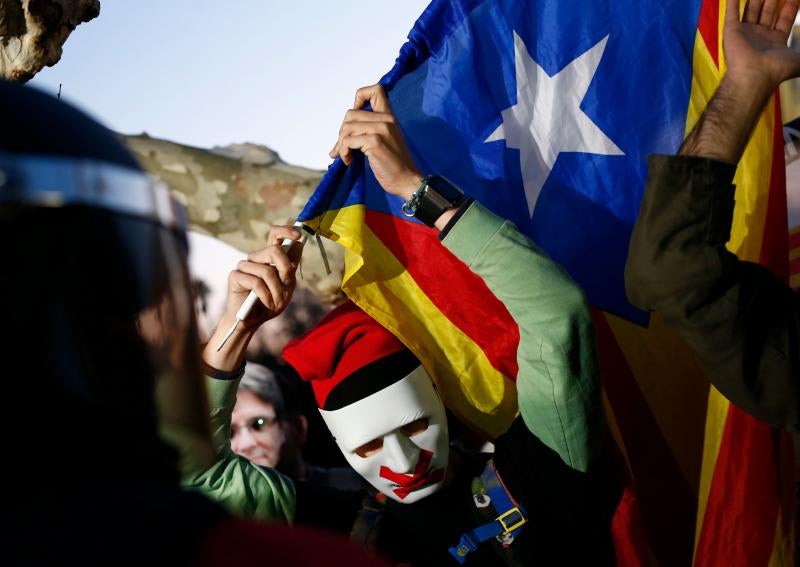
(94, 291)
(378, 402)
(264, 427)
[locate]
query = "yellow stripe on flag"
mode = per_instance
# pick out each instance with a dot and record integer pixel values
(783, 547)
(722, 9)
(482, 397)
(705, 79)
(668, 377)
(716, 414)
(752, 192)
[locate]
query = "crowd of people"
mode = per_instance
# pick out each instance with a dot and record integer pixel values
(171, 449)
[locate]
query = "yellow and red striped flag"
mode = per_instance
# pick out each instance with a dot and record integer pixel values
(709, 474)
(794, 257)
(707, 485)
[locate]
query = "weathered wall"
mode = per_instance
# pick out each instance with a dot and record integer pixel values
(235, 193)
(32, 33)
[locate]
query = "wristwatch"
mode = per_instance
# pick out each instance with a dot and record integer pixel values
(434, 196)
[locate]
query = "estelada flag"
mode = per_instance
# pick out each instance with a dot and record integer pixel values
(791, 138)
(545, 112)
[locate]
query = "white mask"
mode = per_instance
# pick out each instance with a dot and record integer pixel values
(401, 432)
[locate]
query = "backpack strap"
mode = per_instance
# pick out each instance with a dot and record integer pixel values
(495, 503)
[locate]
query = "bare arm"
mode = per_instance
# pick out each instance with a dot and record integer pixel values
(758, 61)
(742, 322)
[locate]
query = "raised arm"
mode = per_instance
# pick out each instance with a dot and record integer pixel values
(741, 321)
(243, 487)
(557, 384)
(758, 60)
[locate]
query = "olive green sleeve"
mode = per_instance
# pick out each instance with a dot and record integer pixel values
(557, 384)
(741, 321)
(242, 487)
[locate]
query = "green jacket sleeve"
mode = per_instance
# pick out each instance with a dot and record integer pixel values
(557, 384)
(742, 322)
(242, 487)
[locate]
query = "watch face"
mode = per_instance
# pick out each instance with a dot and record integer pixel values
(438, 196)
(447, 190)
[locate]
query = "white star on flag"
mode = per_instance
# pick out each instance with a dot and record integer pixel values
(547, 119)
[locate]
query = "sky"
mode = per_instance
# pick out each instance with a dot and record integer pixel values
(207, 73)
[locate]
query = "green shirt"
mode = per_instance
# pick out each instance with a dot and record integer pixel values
(557, 383)
(242, 487)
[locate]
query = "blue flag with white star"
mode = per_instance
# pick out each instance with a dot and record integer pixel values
(545, 112)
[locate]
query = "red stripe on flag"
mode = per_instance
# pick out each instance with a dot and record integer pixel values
(742, 510)
(452, 287)
(745, 496)
(775, 245)
(627, 531)
(708, 26)
(666, 502)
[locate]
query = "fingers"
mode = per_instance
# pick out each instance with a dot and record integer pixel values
(769, 10)
(350, 117)
(275, 258)
(341, 152)
(787, 16)
(381, 112)
(367, 137)
(768, 13)
(269, 278)
(732, 11)
(752, 11)
(367, 116)
(381, 129)
(773, 14)
(239, 281)
(366, 143)
(362, 122)
(277, 234)
(375, 96)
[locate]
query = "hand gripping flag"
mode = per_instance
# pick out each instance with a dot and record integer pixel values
(545, 112)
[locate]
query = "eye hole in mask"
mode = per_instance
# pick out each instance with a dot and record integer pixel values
(409, 430)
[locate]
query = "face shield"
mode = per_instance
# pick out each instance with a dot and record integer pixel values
(97, 293)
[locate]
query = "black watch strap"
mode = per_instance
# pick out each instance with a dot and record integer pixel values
(434, 196)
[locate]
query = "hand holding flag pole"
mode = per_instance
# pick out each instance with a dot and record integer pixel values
(293, 249)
